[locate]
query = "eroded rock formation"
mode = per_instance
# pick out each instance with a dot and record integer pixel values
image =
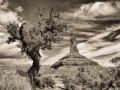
(73, 58)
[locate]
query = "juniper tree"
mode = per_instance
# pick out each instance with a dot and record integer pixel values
(36, 38)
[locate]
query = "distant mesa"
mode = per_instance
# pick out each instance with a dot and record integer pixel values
(73, 58)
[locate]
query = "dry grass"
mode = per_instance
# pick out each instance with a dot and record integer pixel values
(13, 81)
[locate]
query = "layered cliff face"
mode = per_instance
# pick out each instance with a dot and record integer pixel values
(73, 58)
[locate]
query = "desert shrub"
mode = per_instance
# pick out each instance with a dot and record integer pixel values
(63, 76)
(21, 73)
(48, 81)
(57, 76)
(70, 83)
(100, 75)
(43, 82)
(93, 78)
(97, 78)
(39, 83)
(71, 87)
(13, 81)
(81, 69)
(94, 63)
(39, 75)
(67, 80)
(79, 75)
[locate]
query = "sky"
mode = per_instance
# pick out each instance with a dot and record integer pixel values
(90, 20)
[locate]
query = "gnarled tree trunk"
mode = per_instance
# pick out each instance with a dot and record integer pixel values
(34, 69)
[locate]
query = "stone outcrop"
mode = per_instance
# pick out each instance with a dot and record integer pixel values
(73, 58)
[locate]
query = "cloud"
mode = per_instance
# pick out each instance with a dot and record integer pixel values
(118, 4)
(80, 17)
(55, 58)
(96, 10)
(7, 15)
(1, 1)
(19, 9)
(83, 10)
(92, 20)
(99, 15)
(95, 48)
(8, 52)
(102, 9)
(4, 5)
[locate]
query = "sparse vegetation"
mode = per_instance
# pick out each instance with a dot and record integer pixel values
(84, 78)
(21, 73)
(71, 87)
(39, 83)
(93, 78)
(46, 81)
(13, 81)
